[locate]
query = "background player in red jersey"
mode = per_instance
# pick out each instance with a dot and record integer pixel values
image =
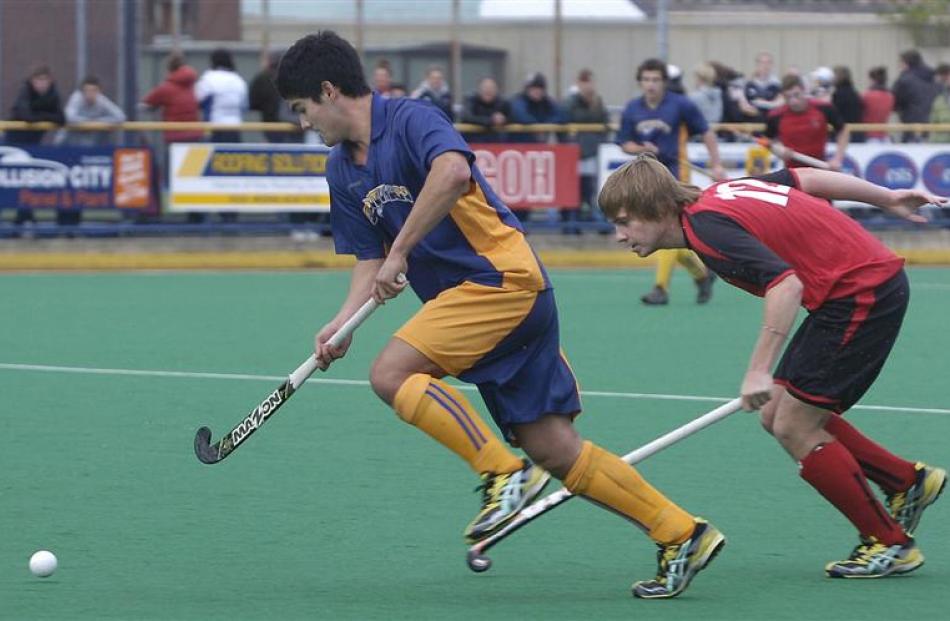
(802, 124)
(772, 237)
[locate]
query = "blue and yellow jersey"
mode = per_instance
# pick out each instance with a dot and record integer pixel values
(640, 123)
(480, 241)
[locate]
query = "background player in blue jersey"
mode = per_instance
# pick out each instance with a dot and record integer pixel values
(774, 237)
(652, 123)
(406, 197)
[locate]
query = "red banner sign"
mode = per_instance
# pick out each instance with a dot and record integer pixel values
(531, 175)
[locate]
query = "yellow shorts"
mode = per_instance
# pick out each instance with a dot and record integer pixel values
(504, 341)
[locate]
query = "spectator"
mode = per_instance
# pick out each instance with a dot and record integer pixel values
(585, 105)
(802, 124)
(822, 81)
(913, 92)
(222, 94)
(434, 90)
(175, 97)
(88, 104)
(763, 90)
(383, 78)
(732, 86)
(533, 105)
(940, 110)
(264, 98)
(398, 90)
(38, 101)
(674, 82)
(847, 101)
(487, 109)
(877, 103)
(653, 124)
(707, 96)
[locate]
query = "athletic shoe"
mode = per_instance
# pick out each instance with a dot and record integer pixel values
(656, 297)
(909, 505)
(705, 286)
(873, 559)
(503, 496)
(679, 562)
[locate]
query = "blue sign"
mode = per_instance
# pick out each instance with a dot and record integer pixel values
(76, 177)
(937, 174)
(850, 166)
(892, 170)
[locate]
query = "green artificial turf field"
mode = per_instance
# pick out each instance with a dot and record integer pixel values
(337, 510)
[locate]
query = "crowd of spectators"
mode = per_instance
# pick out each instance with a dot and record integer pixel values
(722, 94)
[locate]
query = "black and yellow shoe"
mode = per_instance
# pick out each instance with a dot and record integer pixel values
(906, 507)
(680, 562)
(503, 496)
(873, 559)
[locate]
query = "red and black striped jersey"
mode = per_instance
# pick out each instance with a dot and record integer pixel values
(755, 232)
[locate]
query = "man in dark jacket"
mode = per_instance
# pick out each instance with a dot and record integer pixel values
(487, 109)
(264, 98)
(585, 105)
(913, 92)
(37, 101)
(534, 105)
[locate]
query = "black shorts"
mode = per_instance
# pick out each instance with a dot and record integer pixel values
(840, 348)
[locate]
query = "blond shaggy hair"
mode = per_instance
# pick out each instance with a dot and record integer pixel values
(646, 190)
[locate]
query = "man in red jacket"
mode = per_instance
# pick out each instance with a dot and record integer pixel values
(176, 99)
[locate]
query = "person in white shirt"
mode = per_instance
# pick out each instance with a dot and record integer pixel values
(222, 95)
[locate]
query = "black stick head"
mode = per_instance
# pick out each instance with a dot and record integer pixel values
(203, 449)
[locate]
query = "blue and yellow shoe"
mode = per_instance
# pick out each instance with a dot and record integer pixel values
(873, 559)
(503, 496)
(906, 507)
(680, 562)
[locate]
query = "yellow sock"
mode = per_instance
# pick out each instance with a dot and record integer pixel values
(605, 478)
(445, 414)
(689, 260)
(665, 260)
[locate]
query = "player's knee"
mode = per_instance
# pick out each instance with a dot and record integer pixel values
(787, 431)
(386, 381)
(552, 443)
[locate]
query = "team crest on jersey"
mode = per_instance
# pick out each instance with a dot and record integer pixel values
(376, 199)
(653, 127)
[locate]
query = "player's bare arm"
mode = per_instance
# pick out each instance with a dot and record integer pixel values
(361, 287)
(448, 180)
(715, 163)
(839, 186)
(841, 148)
(781, 306)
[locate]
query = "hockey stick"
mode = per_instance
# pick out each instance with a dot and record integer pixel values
(702, 171)
(478, 562)
(213, 453)
(784, 153)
